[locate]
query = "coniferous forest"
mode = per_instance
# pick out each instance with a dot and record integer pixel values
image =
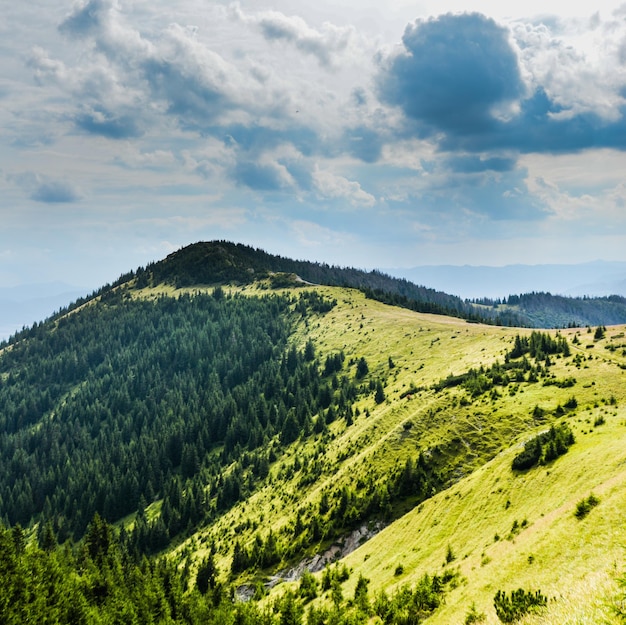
(135, 395)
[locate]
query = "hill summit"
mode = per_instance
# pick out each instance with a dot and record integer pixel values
(225, 262)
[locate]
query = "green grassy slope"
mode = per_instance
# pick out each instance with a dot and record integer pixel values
(572, 561)
(475, 439)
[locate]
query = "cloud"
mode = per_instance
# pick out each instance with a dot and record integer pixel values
(131, 77)
(55, 192)
(175, 73)
(108, 124)
(364, 143)
(262, 176)
(86, 18)
(157, 160)
(454, 74)
(101, 21)
(131, 84)
(470, 84)
(45, 189)
(276, 26)
(471, 164)
(331, 185)
(560, 57)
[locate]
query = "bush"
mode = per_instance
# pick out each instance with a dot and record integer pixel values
(584, 506)
(474, 616)
(571, 403)
(521, 602)
(544, 448)
(450, 555)
(308, 586)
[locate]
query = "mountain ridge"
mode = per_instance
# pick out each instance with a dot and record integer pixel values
(225, 262)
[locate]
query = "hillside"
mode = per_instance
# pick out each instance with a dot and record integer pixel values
(242, 431)
(223, 261)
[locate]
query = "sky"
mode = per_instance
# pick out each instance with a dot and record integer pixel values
(367, 133)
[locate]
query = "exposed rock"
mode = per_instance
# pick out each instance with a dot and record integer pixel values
(336, 551)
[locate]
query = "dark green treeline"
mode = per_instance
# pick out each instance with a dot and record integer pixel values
(125, 401)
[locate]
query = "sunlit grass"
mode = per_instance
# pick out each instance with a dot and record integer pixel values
(506, 530)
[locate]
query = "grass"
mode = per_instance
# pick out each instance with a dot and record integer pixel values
(541, 544)
(554, 552)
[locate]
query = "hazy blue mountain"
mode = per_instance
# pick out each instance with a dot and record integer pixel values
(29, 303)
(596, 278)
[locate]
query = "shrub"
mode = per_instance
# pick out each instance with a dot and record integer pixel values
(571, 403)
(362, 368)
(544, 448)
(584, 506)
(450, 555)
(520, 602)
(473, 616)
(308, 586)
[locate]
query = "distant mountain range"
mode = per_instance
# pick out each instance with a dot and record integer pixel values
(29, 303)
(594, 279)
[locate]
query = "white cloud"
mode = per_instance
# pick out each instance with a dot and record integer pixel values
(577, 62)
(331, 185)
(311, 235)
(325, 44)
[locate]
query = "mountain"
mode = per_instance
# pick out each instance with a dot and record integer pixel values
(594, 279)
(223, 261)
(203, 432)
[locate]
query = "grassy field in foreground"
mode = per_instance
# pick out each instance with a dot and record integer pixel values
(509, 530)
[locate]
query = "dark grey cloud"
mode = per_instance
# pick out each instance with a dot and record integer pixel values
(45, 189)
(109, 124)
(457, 80)
(472, 164)
(363, 143)
(275, 30)
(259, 176)
(86, 19)
(301, 173)
(55, 192)
(454, 70)
(287, 173)
(256, 138)
(541, 126)
(194, 100)
(324, 44)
